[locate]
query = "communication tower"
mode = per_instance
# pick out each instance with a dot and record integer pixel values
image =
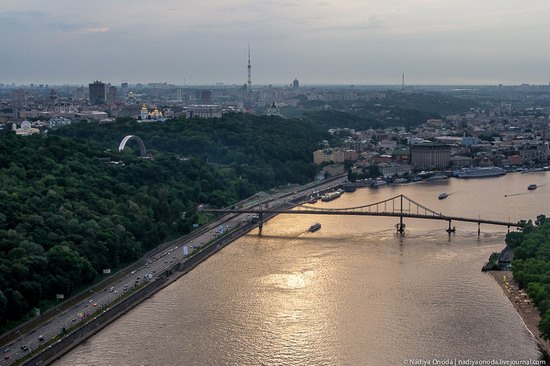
(249, 72)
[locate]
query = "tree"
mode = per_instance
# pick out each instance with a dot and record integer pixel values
(544, 325)
(3, 307)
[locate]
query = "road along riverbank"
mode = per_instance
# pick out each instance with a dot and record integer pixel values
(200, 253)
(524, 307)
(59, 348)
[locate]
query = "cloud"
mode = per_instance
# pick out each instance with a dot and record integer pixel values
(372, 23)
(25, 22)
(92, 30)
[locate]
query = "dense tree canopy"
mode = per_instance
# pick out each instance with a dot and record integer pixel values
(531, 268)
(67, 213)
(265, 150)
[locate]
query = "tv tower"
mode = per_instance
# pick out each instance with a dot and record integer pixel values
(249, 69)
(403, 82)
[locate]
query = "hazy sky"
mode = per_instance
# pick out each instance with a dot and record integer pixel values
(317, 41)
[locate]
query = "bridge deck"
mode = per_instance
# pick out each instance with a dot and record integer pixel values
(367, 213)
(398, 206)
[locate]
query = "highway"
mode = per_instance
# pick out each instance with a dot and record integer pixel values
(155, 263)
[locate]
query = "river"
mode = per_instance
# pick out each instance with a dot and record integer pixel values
(352, 293)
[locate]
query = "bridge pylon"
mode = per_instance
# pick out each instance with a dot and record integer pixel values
(401, 225)
(450, 230)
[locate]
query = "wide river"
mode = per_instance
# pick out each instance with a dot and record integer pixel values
(352, 293)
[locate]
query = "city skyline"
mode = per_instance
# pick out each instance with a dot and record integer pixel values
(317, 42)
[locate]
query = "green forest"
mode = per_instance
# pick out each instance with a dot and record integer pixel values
(531, 267)
(265, 150)
(67, 213)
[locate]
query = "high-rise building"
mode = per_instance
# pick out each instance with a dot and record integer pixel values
(97, 92)
(112, 95)
(124, 89)
(179, 94)
(53, 97)
(295, 84)
(206, 97)
(430, 156)
(19, 96)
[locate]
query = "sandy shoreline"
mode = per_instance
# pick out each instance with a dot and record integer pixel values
(525, 309)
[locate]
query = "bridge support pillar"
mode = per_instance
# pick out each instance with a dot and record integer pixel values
(478, 228)
(260, 224)
(450, 230)
(401, 226)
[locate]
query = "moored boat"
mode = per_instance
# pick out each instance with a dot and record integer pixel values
(378, 182)
(438, 177)
(349, 187)
(331, 196)
(312, 200)
(480, 172)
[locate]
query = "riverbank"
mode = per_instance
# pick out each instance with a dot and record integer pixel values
(172, 274)
(524, 307)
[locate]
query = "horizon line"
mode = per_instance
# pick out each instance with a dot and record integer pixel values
(221, 84)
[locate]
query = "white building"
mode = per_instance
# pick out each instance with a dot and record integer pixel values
(328, 155)
(204, 111)
(58, 122)
(389, 170)
(26, 129)
(97, 115)
(273, 110)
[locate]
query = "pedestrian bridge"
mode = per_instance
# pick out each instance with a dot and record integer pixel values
(399, 206)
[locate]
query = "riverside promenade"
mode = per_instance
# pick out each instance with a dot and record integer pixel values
(524, 307)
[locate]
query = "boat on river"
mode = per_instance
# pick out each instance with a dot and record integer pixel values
(314, 227)
(532, 187)
(480, 172)
(443, 195)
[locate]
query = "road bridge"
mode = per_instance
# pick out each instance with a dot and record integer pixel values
(399, 206)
